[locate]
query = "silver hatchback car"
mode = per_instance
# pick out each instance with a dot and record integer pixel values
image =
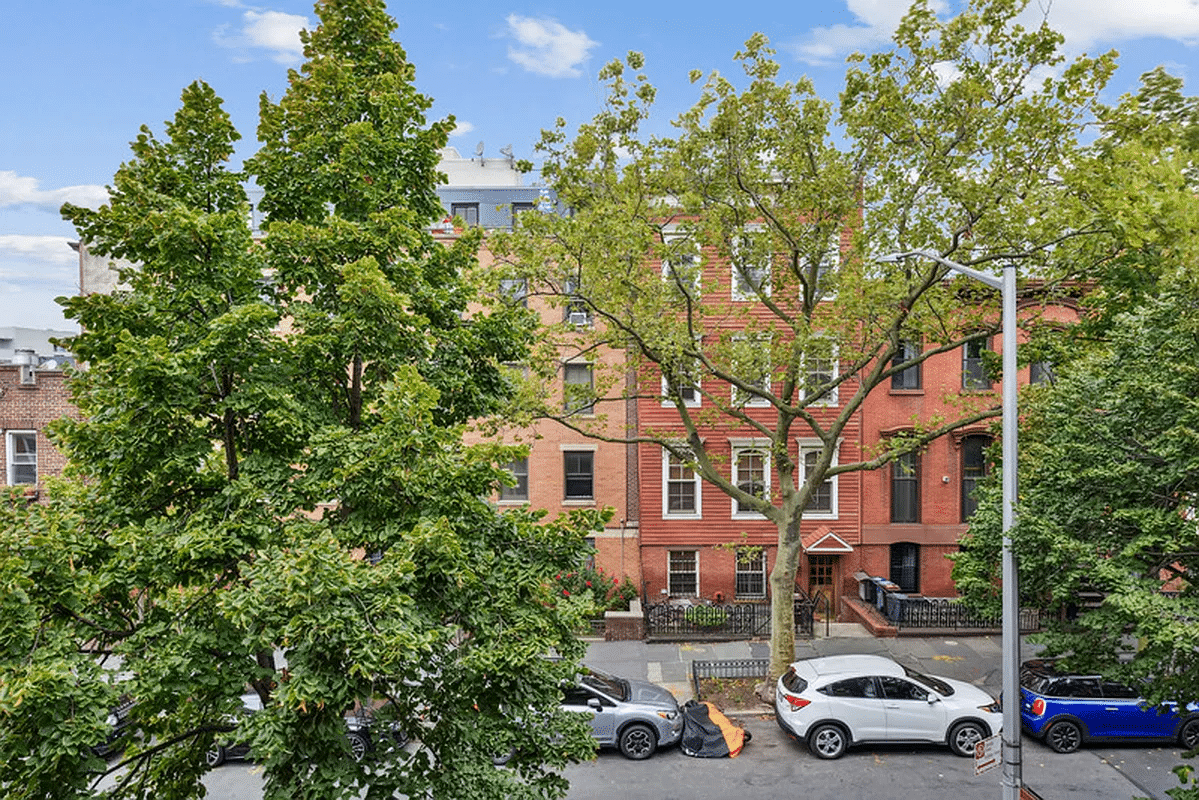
(636, 716)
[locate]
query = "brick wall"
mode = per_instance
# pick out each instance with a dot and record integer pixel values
(31, 406)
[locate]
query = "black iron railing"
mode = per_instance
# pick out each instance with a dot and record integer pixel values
(728, 620)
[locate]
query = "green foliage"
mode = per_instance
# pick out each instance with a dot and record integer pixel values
(707, 616)
(947, 140)
(270, 469)
(1109, 475)
(602, 592)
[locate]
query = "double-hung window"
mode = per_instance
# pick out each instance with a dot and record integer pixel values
(974, 368)
(974, 469)
(908, 377)
(682, 575)
(820, 373)
(578, 388)
(752, 363)
(579, 468)
(822, 503)
(750, 574)
(751, 474)
(750, 256)
(680, 488)
(515, 292)
(520, 491)
(681, 264)
(905, 488)
(576, 311)
(21, 447)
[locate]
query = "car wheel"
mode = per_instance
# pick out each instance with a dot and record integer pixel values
(358, 745)
(1064, 736)
(1188, 737)
(963, 737)
(827, 741)
(215, 756)
(638, 742)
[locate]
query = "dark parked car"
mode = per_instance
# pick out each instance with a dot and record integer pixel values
(119, 729)
(1066, 710)
(636, 717)
(227, 747)
(364, 732)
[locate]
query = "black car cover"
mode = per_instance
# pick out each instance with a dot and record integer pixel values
(709, 734)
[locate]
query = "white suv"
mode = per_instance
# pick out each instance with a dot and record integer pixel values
(833, 702)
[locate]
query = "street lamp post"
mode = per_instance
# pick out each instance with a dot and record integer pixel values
(1012, 754)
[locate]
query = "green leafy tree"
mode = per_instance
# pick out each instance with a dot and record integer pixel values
(1106, 536)
(948, 141)
(268, 485)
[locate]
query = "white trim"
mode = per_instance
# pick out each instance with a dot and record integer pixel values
(666, 512)
(592, 446)
(740, 446)
(694, 552)
(814, 445)
(735, 293)
(10, 462)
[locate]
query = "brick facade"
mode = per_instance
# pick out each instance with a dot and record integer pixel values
(30, 405)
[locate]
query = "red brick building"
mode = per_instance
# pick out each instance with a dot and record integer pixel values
(30, 399)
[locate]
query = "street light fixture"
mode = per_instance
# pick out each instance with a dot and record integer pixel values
(1012, 755)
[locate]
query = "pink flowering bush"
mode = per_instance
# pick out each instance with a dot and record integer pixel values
(607, 592)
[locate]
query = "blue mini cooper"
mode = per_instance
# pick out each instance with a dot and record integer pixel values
(1067, 710)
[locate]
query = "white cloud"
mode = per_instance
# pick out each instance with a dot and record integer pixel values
(546, 47)
(462, 128)
(54, 250)
(20, 190)
(877, 20)
(1086, 23)
(273, 31)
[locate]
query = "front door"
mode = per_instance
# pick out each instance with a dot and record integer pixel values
(822, 580)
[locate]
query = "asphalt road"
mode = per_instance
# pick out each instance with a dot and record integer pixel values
(772, 766)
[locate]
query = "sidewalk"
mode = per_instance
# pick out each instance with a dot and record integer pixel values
(975, 659)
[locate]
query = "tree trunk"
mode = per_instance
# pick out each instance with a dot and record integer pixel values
(782, 603)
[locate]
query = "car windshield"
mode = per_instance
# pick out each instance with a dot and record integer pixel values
(936, 684)
(616, 688)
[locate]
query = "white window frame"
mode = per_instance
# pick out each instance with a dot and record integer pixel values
(740, 280)
(814, 446)
(568, 449)
(739, 447)
(670, 571)
(697, 513)
(743, 399)
(580, 409)
(24, 461)
(513, 497)
(754, 570)
(831, 398)
(692, 262)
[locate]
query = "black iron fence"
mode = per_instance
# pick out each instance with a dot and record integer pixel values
(673, 621)
(948, 613)
(728, 668)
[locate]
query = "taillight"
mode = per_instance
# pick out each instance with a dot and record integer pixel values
(1038, 707)
(796, 703)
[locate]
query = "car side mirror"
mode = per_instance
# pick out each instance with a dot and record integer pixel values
(594, 704)
(932, 698)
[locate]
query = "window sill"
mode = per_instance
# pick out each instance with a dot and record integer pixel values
(682, 516)
(907, 392)
(579, 501)
(512, 502)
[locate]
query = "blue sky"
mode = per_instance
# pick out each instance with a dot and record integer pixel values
(78, 78)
